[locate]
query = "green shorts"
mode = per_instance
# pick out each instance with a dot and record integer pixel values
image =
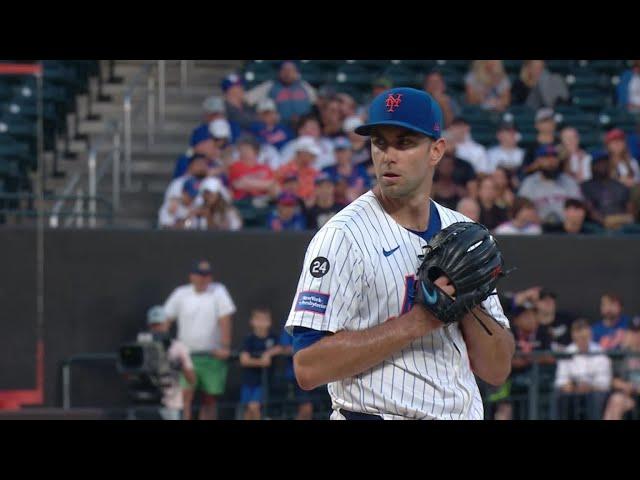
(211, 375)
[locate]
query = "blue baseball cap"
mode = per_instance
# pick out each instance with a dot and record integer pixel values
(230, 81)
(200, 134)
(202, 267)
(342, 143)
(191, 187)
(405, 107)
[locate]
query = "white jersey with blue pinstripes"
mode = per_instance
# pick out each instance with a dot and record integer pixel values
(357, 284)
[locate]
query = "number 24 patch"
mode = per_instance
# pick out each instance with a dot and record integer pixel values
(319, 267)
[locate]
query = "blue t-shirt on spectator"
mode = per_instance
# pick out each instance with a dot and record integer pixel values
(359, 171)
(276, 136)
(255, 346)
(610, 338)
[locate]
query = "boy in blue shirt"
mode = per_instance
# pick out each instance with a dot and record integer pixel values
(259, 348)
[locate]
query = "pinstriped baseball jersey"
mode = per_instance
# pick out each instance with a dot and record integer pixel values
(356, 274)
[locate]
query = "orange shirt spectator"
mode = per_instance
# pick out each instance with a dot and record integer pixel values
(301, 165)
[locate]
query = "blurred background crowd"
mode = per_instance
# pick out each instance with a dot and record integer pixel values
(533, 146)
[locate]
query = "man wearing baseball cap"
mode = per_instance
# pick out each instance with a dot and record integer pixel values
(287, 214)
(268, 128)
(355, 321)
(203, 310)
(238, 110)
(549, 187)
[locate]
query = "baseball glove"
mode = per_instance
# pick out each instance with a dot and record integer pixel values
(468, 255)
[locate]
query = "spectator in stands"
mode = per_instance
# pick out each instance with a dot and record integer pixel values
(607, 199)
(626, 377)
(558, 324)
(203, 309)
(248, 178)
(530, 339)
(258, 349)
(303, 397)
(524, 219)
(624, 167)
(217, 212)
(504, 181)
(609, 332)
(545, 125)
(203, 142)
(350, 180)
(459, 134)
(268, 129)
(197, 170)
(536, 87)
(446, 191)
(578, 162)
(293, 96)
(287, 215)
(487, 85)
(549, 187)
(585, 378)
(628, 89)
(325, 205)
(506, 154)
(331, 118)
(236, 108)
(178, 212)
(348, 105)
(178, 355)
(360, 145)
(309, 126)
(491, 215)
(575, 214)
(302, 166)
(434, 85)
(470, 208)
(214, 109)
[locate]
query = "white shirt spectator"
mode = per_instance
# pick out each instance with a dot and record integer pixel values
(198, 314)
(475, 154)
(623, 170)
(510, 159)
(634, 90)
(325, 159)
(580, 166)
(174, 190)
(593, 370)
(167, 218)
(508, 228)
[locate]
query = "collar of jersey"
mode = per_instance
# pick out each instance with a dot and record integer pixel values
(435, 224)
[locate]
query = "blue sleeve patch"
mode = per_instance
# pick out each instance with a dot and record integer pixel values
(314, 302)
(304, 337)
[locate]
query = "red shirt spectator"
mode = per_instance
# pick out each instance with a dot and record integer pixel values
(248, 178)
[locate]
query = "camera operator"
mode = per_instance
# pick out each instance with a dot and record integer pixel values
(180, 360)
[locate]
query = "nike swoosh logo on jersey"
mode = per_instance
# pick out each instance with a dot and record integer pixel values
(430, 297)
(390, 252)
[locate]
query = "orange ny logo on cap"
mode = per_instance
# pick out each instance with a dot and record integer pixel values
(393, 102)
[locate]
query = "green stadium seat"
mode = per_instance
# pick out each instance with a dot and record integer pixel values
(418, 66)
(353, 74)
(403, 76)
(563, 67)
(374, 66)
(607, 67)
(512, 66)
(259, 72)
(314, 74)
(589, 100)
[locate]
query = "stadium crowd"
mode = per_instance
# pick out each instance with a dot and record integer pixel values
(578, 368)
(283, 155)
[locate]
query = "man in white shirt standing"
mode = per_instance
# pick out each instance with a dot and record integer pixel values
(203, 309)
(586, 374)
(506, 154)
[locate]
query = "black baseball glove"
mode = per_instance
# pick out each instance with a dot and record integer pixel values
(468, 255)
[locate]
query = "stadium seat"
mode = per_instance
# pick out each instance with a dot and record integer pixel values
(353, 74)
(512, 67)
(314, 74)
(563, 67)
(259, 72)
(400, 75)
(418, 66)
(612, 117)
(589, 100)
(374, 66)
